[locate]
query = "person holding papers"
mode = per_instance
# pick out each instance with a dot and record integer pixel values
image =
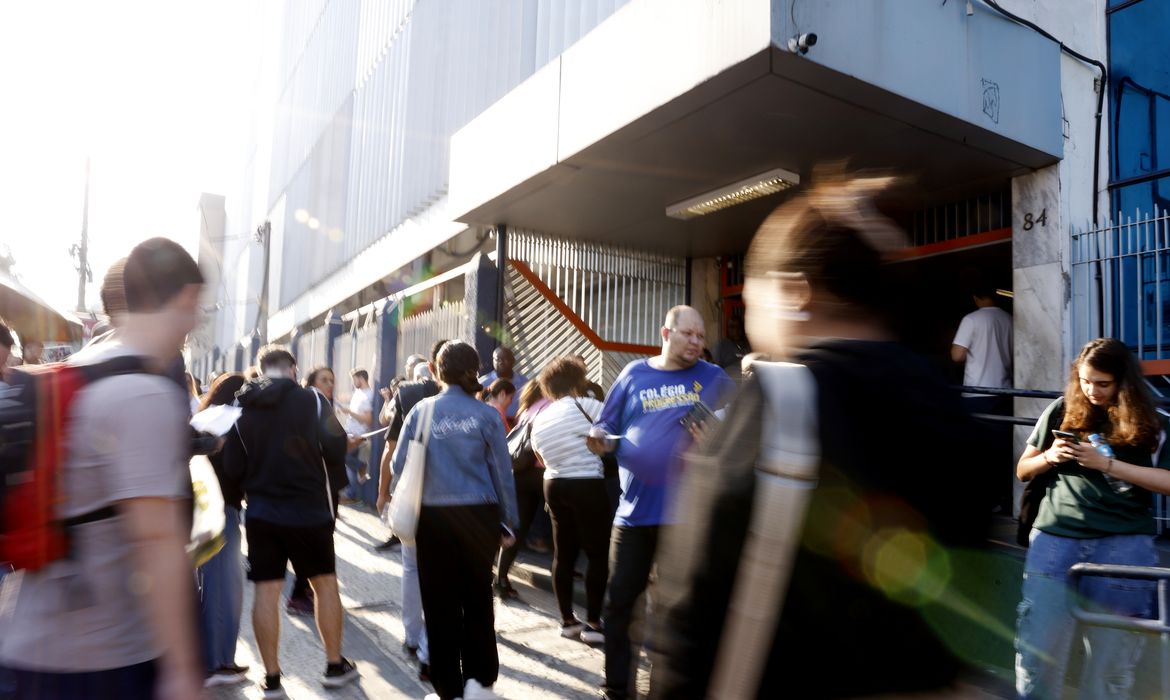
(652, 406)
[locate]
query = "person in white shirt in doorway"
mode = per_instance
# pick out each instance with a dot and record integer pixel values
(359, 415)
(983, 345)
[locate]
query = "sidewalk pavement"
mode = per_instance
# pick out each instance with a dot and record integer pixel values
(535, 661)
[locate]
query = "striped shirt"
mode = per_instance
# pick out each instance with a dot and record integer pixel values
(558, 436)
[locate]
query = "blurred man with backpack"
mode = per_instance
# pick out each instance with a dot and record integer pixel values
(107, 618)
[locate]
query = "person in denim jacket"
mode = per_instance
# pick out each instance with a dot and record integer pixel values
(468, 512)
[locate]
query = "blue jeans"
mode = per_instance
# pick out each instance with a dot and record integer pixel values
(1045, 627)
(412, 611)
(353, 467)
(222, 597)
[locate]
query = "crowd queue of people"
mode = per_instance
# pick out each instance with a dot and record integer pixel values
(799, 522)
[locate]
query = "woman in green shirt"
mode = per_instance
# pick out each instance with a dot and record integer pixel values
(1096, 509)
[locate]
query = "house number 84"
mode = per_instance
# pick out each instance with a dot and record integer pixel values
(1031, 221)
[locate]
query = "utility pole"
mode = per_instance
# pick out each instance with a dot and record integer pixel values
(264, 236)
(81, 252)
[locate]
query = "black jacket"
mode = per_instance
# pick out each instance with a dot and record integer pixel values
(897, 451)
(281, 450)
(409, 394)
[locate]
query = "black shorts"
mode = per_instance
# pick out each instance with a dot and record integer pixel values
(271, 547)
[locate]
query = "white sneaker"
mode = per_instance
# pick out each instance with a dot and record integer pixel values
(572, 630)
(592, 635)
(474, 691)
(226, 676)
(435, 696)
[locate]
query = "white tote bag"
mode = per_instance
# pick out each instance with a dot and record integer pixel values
(408, 492)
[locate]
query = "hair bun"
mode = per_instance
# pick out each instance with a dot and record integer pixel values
(848, 200)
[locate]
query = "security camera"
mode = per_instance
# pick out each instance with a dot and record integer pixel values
(802, 42)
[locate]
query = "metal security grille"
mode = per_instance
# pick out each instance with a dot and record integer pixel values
(1121, 283)
(621, 294)
(356, 349)
(312, 347)
(417, 333)
(343, 362)
(539, 332)
(966, 217)
(366, 353)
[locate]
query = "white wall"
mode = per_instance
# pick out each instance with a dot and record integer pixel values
(1040, 253)
(1063, 191)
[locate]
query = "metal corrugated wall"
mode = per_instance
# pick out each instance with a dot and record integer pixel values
(372, 91)
(320, 55)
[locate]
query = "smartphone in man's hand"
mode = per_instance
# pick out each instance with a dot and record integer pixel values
(699, 415)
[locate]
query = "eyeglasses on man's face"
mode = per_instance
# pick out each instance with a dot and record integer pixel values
(690, 336)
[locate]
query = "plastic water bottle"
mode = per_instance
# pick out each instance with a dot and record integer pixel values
(1118, 486)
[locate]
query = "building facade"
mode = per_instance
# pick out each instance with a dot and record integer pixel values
(394, 141)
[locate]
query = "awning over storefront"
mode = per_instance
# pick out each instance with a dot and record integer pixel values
(32, 317)
(665, 101)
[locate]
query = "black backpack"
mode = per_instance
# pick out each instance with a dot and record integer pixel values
(1035, 490)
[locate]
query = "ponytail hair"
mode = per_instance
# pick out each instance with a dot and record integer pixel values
(459, 366)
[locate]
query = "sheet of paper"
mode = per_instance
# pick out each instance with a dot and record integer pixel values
(216, 420)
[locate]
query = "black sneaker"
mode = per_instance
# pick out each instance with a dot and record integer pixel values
(270, 689)
(301, 605)
(340, 673)
(392, 542)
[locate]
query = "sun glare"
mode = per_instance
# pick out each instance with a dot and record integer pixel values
(156, 95)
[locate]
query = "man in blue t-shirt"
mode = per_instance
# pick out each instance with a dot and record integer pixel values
(644, 415)
(503, 363)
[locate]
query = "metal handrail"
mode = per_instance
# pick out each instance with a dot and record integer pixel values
(1161, 401)
(1160, 626)
(1014, 393)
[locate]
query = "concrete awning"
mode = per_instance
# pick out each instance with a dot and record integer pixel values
(34, 318)
(597, 144)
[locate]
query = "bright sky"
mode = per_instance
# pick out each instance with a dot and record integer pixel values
(158, 93)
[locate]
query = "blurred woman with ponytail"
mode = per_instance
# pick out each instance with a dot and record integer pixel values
(468, 512)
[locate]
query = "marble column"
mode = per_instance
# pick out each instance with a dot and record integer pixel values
(1040, 284)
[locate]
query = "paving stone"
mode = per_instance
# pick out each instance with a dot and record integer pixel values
(535, 661)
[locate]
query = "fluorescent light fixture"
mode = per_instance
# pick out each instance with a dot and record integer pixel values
(754, 187)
